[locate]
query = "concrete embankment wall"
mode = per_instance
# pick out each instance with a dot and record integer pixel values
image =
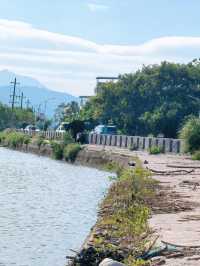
(87, 157)
(139, 143)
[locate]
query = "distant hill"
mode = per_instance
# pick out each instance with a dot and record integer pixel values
(34, 91)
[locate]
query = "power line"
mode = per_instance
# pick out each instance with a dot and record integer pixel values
(27, 103)
(13, 96)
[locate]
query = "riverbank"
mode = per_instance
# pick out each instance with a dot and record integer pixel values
(128, 234)
(174, 198)
(174, 207)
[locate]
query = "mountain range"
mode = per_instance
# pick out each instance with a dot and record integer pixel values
(33, 90)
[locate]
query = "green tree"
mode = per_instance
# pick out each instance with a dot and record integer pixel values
(67, 112)
(16, 118)
(155, 99)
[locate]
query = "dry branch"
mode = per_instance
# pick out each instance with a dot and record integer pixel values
(174, 172)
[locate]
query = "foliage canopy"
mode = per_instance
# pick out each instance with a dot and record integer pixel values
(155, 99)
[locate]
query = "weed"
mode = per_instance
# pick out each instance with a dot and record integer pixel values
(196, 155)
(67, 138)
(71, 151)
(57, 149)
(156, 150)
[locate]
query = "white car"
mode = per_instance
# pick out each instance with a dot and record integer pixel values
(63, 127)
(31, 128)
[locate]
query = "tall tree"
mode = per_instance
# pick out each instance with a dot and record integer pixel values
(155, 99)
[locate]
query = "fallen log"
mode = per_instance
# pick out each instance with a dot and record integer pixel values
(179, 246)
(183, 166)
(174, 172)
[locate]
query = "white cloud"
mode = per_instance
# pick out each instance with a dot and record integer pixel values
(97, 7)
(71, 64)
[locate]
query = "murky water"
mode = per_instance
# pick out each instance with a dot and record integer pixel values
(46, 208)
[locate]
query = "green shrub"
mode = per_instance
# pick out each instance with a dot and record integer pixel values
(40, 140)
(67, 138)
(71, 151)
(2, 137)
(57, 149)
(156, 150)
(196, 155)
(14, 139)
(27, 139)
(190, 133)
(127, 207)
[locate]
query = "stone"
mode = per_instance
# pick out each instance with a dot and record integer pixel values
(158, 261)
(131, 163)
(110, 262)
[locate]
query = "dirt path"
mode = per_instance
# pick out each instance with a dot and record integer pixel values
(175, 226)
(181, 228)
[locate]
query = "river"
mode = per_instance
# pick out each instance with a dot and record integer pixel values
(46, 208)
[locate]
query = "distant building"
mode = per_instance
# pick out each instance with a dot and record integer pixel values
(102, 80)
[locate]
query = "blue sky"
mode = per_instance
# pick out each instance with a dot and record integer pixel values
(65, 44)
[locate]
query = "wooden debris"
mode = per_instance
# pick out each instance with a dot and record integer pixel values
(181, 246)
(190, 218)
(194, 258)
(175, 255)
(158, 261)
(183, 166)
(174, 172)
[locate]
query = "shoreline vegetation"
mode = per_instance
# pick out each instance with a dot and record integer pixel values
(65, 149)
(122, 230)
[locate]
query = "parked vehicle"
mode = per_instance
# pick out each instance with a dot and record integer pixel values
(105, 129)
(64, 126)
(31, 128)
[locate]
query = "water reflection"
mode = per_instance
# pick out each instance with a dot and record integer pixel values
(46, 208)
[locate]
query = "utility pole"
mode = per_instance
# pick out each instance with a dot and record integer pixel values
(22, 97)
(15, 83)
(27, 103)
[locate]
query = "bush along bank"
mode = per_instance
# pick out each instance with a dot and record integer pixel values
(190, 133)
(64, 149)
(122, 231)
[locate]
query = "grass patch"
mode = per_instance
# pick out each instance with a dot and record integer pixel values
(155, 150)
(125, 213)
(2, 137)
(57, 149)
(14, 139)
(196, 156)
(67, 138)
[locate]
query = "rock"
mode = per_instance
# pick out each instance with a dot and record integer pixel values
(131, 163)
(146, 162)
(157, 261)
(110, 262)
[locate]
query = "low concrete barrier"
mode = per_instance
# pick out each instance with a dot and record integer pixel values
(137, 143)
